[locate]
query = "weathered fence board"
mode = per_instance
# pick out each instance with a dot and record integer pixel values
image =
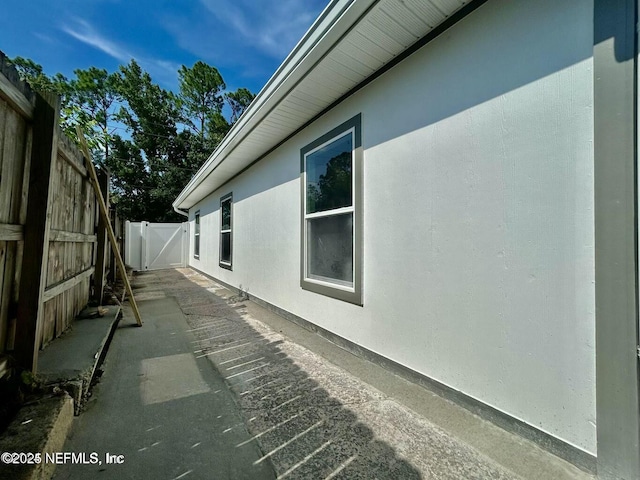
(16, 109)
(36, 239)
(71, 239)
(14, 93)
(48, 210)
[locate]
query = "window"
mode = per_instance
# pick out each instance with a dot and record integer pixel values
(331, 174)
(196, 236)
(226, 231)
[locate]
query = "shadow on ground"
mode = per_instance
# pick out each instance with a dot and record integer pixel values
(301, 425)
(303, 430)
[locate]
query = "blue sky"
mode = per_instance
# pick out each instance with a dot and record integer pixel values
(245, 39)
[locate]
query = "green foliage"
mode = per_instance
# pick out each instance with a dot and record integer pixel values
(91, 96)
(334, 186)
(152, 140)
(29, 380)
(201, 89)
(238, 102)
(150, 113)
(217, 128)
(30, 71)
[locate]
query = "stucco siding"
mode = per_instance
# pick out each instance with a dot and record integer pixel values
(478, 264)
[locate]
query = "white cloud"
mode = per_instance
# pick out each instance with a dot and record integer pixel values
(86, 33)
(271, 26)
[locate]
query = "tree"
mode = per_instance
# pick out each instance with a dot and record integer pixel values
(78, 98)
(217, 128)
(33, 73)
(168, 135)
(130, 180)
(151, 115)
(238, 102)
(93, 93)
(201, 89)
(150, 112)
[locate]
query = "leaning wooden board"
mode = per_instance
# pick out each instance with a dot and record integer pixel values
(107, 222)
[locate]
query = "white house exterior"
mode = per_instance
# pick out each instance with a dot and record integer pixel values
(478, 233)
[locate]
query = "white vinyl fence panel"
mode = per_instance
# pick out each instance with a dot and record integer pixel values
(156, 246)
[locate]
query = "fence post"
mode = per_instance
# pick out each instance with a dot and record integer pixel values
(117, 230)
(103, 180)
(36, 233)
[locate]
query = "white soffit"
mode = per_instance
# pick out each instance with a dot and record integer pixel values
(350, 41)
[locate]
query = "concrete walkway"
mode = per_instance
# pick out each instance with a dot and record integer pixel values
(213, 386)
(162, 409)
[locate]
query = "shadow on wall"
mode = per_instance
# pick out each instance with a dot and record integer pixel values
(301, 429)
(498, 49)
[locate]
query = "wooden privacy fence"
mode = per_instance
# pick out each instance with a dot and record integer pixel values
(70, 261)
(48, 240)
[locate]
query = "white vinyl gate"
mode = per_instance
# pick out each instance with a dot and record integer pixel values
(155, 246)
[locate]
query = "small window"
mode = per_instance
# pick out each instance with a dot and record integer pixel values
(226, 236)
(196, 236)
(331, 213)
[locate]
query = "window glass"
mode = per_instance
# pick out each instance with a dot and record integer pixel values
(226, 239)
(329, 180)
(225, 248)
(196, 239)
(226, 215)
(330, 248)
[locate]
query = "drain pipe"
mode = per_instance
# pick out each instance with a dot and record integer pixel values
(180, 211)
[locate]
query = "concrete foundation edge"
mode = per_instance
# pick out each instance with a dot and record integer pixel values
(579, 458)
(40, 428)
(79, 384)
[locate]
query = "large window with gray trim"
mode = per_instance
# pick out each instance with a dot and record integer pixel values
(331, 173)
(226, 231)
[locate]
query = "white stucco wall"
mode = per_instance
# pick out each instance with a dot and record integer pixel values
(478, 216)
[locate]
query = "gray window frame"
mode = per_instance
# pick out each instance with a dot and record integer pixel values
(229, 266)
(196, 235)
(327, 288)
